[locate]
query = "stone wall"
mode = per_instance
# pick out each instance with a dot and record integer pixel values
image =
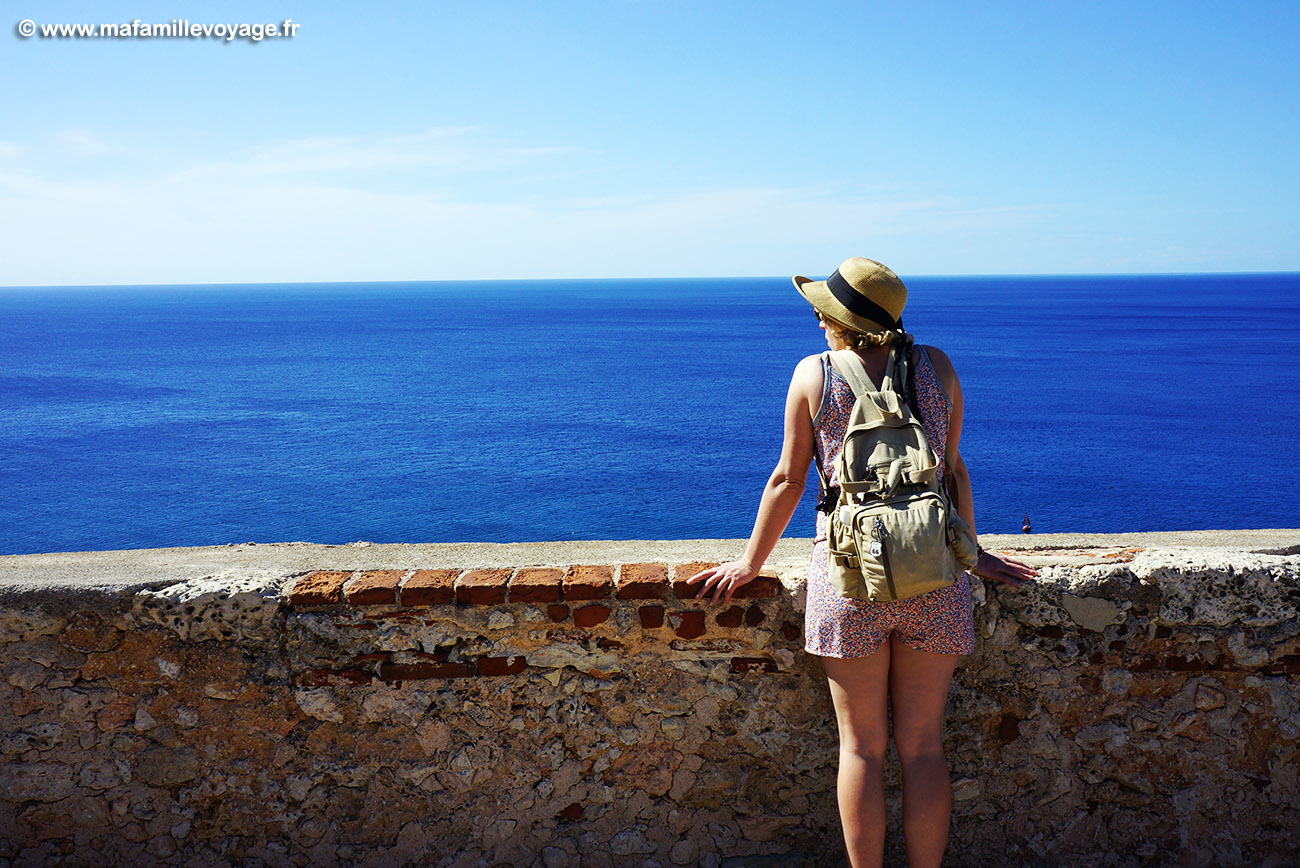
(395, 705)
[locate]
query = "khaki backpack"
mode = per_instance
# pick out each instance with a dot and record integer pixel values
(894, 532)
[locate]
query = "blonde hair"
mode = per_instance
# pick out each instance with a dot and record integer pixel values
(856, 340)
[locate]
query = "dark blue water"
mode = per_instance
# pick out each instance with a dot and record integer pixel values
(141, 417)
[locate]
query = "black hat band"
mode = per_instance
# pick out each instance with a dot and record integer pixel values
(860, 304)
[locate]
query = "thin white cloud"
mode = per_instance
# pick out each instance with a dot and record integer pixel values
(80, 143)
(446, 149)
(282, 231)
(305, 210)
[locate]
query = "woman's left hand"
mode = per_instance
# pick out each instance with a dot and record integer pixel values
(1002, 568)
(723, 580)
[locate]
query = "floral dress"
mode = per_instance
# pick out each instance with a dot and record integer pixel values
(835, 626)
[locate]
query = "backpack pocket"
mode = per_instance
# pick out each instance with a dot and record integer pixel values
(893, 549)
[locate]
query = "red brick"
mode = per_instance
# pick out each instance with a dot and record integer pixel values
(537, 585)
(753, 664)
(1185, 664)
(642, 582)
(482, 587)
(762, 585)
(374, 587)
(608, 643)
(370, 658)
(590, 616)
(424, 671)
(1140, 663)
(790, 631)
(681, 573)
(429, 588)
(731, 617)
(501, 665)
(652, 617)
(754, 616)
(557, 612)
(1009, 727)
(321, 588)
(588, 583)
(332, 677)
(688, 625)
(573, 812)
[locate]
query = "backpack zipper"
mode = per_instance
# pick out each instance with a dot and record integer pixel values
(878, 534)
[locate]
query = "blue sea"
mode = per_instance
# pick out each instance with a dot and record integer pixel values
(620, 409)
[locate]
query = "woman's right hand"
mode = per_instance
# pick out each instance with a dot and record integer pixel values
(1002, 568)
(723, 580)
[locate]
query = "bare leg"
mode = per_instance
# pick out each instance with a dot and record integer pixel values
(918, 689)
(860, 691)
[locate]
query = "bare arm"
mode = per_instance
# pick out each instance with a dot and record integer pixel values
(991, 566)
(783, 490)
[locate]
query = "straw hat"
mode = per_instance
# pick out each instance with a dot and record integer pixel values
(862, 294)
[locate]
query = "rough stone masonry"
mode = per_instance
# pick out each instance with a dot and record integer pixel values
(572, 704)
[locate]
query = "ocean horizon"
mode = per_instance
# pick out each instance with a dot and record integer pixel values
(509, 410)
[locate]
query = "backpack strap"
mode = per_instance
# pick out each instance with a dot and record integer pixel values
(828, 496)
(898, 370)
(848, 364)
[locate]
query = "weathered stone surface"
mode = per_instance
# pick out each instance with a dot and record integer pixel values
(26, 623)
(167, 767)
(1148, 724)
(228, 606)
(36, 781)
(1091, 613)
(86, 631)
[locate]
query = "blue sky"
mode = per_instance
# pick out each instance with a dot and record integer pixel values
(433, 140)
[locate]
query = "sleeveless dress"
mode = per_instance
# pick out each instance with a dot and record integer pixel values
(939, 622)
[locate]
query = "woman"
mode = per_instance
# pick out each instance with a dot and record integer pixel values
(878, 657)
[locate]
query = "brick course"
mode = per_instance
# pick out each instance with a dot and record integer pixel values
(424, 671)
(688, 625)
(642, 582)
(537, 585)
(320, 588)
(682, 572)
(762, 585)
(429, 588)
(586, 598)
(375, 587)
(588, 583)
(590, 616)
(494, 666)
(482, 587)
